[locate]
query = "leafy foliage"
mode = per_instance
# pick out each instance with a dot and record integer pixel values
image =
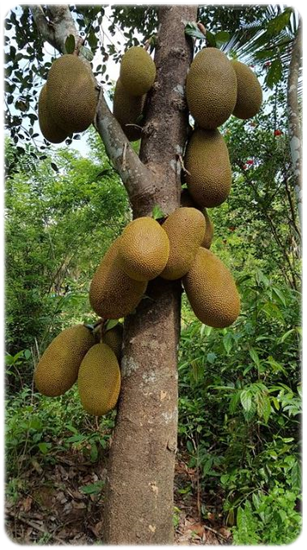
(51, 225)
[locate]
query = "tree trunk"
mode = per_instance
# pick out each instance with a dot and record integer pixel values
(294, 118)
(139, 496)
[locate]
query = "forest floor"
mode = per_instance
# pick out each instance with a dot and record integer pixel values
(61, 504)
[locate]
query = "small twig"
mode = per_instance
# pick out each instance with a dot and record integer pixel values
(38, 527)
(98, 108)
(124, 156)
(182, 165)
(214, 531)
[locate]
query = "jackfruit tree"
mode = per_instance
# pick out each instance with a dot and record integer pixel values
(150, 258)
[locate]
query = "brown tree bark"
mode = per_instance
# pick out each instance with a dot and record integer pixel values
(139, 499)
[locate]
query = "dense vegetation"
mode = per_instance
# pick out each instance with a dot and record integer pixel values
(239, 406)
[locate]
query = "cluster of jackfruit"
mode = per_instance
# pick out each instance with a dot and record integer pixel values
(176, 249)
(137, 75)
(78, 355)
(67, 102)
(215, 89)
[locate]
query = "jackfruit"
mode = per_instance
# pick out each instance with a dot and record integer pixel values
(99, 380)
(50, 130)
(127, 110)
(211, 88)
(113, 294)
(114, 339)
(211, 290)
(185, 228)
(249, 94)
(71, 97)
(208, 165)
(137, 71)
(58, 367)
(143, 249)
(186, 200)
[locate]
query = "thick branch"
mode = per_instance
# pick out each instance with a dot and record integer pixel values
(46, 29)
(294, 115)
(137, 179)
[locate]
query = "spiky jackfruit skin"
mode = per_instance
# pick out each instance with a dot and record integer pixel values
(72, 97)
(186, 200)
(211, 88)
(143, 249)
(127, 110)
(209, 170)
(185, 228)
(58, 367)
(137, 71)
(249, 93)
(50, 130)
(113, 294)
(211, 290)
(114, 339)
(99, 380)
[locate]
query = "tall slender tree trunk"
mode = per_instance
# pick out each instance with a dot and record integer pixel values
(295, 133)
(139, 497)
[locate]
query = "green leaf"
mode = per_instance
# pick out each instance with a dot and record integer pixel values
(254, 356)
(92, 488)
(157, 213)
(210, 38)
(27, 354)
(234, 401)
(44, 447)
(227, 342)
(191, 29)
(274, 74)
(70, 44)
(222, 36)
(75, 438)
(86, 52)
(279, 294)
(92, 39)
(246, 400)
(296, 475)
(112, 323)
(279, 22)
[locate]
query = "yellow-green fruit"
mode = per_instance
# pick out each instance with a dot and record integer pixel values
(186, 200)
(99, 380)
(72, 97)
(249, 94)
(185, 228)
(209, 231)
(114, 339)
(50, 130)
(211, 88)
(58, 367)
(143, 249)
(211, 290)
(113, 294)
(137, 71)
(208, 165)
(127, 110)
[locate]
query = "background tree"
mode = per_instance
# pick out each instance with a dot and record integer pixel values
(145, 436)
